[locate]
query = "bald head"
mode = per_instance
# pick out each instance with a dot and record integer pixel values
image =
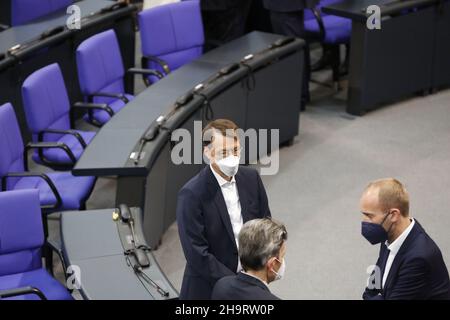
(387, 194)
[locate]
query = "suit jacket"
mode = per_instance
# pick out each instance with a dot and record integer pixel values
(205, 229)
(241, 287)
(289, 5)
(214, 5)
(417, 272)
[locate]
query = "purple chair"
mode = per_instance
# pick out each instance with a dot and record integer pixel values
(22, 276)
(57, 190)
(331, 31)
(47, 110)
(171, 35)
(23, 11)
(101, 74)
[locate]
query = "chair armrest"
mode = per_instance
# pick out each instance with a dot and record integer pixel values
(47, 145)
(161, 62)
(149, 72)
(20, 292)
(44, 177)
(120, 96)
(92, 106)
(318, 15)
(71, 132)
(145, 73)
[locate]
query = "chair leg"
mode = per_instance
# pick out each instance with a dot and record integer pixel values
(335, 65)
(344, 69)
(323, 62)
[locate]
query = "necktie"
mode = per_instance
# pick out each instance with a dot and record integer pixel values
(383, 260)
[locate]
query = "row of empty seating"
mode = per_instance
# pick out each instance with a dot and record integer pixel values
(171, 35)
(168, 42)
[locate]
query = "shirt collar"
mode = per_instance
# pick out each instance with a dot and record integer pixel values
(222, 182)
(396, 245)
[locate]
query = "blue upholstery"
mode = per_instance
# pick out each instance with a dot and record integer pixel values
(39, 279)
(173, 33)
(337, 29)
(101, 70)
(21, 232)
(74, 191)
(23, 11)
(46, 107)
(21, 237)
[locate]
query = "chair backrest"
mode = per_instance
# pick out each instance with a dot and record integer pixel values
(11, 143)
(172, 32)
(21, 231)
(100, 64)
(23, 11)
(45, 101)
(310, 16)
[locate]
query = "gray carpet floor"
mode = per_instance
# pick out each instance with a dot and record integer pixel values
(316, 191)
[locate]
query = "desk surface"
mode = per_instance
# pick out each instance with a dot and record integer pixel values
(356, 9)
(91, 242)
(24, 33)
(110, 149)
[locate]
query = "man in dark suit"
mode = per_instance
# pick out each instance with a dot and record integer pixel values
(410, 264)
(211, 209)
(287, 15)
(287, 18)
(262, 248)
(224, 20)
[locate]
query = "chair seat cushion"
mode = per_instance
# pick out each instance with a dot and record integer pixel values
(39, 279)
(60, 156)
(74, 191)
(102, 116)
(338, 29)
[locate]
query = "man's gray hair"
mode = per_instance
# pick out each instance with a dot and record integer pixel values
(260, 240)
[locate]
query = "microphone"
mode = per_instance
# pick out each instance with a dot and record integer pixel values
(141, 257)
(51, 32)
(228, 69)
(281, 42)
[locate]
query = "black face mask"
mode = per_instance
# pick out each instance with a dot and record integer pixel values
(374, 232)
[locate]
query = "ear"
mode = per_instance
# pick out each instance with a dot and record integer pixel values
(395, 215)
(270, 263)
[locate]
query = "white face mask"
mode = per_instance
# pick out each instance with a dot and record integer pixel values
(229, 165)
(280, 274)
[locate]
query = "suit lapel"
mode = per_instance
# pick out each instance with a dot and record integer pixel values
(398, 258)
(219, 201)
